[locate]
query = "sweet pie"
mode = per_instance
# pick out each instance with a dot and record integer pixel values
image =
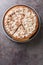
(20, 22)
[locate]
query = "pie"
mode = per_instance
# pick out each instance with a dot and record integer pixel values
(20, 22)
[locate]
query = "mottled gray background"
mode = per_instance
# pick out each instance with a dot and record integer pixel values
(12, 53)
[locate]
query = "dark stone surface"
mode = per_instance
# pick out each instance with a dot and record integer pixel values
(12, 53)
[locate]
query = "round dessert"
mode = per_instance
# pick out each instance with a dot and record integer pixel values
(20, 22)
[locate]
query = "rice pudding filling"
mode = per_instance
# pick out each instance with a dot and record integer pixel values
(20, 22)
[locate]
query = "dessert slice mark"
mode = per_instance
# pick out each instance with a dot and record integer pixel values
(20, 32)
(16, 29)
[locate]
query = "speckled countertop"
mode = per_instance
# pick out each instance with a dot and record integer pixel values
(12, 53)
